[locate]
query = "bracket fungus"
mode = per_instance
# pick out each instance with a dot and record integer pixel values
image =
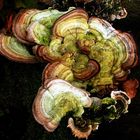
(88, 63)
(57, 98)
(14, 50)
(97, 43)
(34, 26)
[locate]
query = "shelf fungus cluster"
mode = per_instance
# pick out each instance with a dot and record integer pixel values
(88, 63)
(57, 97)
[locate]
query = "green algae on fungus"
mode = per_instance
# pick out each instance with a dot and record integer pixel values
(97, 43)
(11, 48)
(34, 26)
(57, 98)
(57, 70)
(65, 32)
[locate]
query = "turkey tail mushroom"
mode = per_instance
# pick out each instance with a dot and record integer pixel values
(11, 48)
(71, 23)
(32, 26)
(91, 70)
(20, 24)
(57, 70)
(55, 99)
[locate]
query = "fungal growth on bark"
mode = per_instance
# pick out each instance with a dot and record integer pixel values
(14, 50)
(57, 98)
(87, 64)
(89, 46)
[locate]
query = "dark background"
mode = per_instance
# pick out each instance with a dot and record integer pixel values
(19, 84)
